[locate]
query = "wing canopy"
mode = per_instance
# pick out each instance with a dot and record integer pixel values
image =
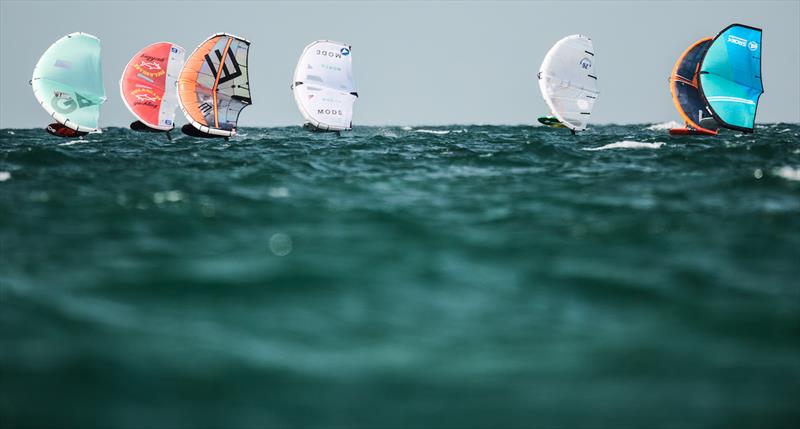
(68, 82)
(323, 85)
(684, 88)
(148, 84)
(730, 77)
(568, 81)
(214, 85)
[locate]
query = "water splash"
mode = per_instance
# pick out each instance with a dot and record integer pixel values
(664, 126)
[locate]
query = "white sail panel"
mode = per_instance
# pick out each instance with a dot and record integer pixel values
(323, 85)
(568, 81)
(170, 101)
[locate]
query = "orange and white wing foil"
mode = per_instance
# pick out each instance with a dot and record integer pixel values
(214, 86)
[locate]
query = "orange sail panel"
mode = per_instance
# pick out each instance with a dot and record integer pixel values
(685, 94)
(213, 86)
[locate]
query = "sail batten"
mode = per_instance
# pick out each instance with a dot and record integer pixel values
(323, 85)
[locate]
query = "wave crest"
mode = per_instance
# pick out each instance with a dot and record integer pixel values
(628, 144)
(788, 173)
(437, 132)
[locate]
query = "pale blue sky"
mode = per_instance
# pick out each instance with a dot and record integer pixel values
(414, 62)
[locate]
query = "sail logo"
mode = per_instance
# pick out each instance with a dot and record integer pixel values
(332, 54)
(63, 64)
(206, 108)
(333, 112)
(150, 65)
(752, 46)
(63, 102)
(227, 74)
(345, 51)
(737, 40)
(586, 63)
(146, 97)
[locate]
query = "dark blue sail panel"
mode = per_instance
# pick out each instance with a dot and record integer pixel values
(687, 66)
(685, 94)
(730, 77)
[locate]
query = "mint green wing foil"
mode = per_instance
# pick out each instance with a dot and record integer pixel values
(68, 82)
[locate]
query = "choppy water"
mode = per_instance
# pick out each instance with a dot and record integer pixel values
(464, 276)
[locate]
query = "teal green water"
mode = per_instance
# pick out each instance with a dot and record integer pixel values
(476, 276)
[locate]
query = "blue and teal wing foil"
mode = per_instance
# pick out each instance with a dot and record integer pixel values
(730, 77)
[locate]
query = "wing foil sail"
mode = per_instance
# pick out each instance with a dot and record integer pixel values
(568, 81)
(214, 86)
(149, 84)
(323, 86)
(685, 92)
(68, 82)
(730, 77)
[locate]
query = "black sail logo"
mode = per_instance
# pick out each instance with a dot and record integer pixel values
(226, 72)
(206, 108)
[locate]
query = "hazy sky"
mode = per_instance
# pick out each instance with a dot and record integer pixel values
(466, 62)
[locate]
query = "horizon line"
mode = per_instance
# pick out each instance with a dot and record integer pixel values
(438, 125)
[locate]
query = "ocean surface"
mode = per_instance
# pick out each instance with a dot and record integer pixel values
(438, 277)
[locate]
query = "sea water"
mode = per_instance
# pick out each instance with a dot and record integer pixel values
(458, 276)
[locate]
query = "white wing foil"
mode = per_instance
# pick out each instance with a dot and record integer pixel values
(568, 81)
(323, 85)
